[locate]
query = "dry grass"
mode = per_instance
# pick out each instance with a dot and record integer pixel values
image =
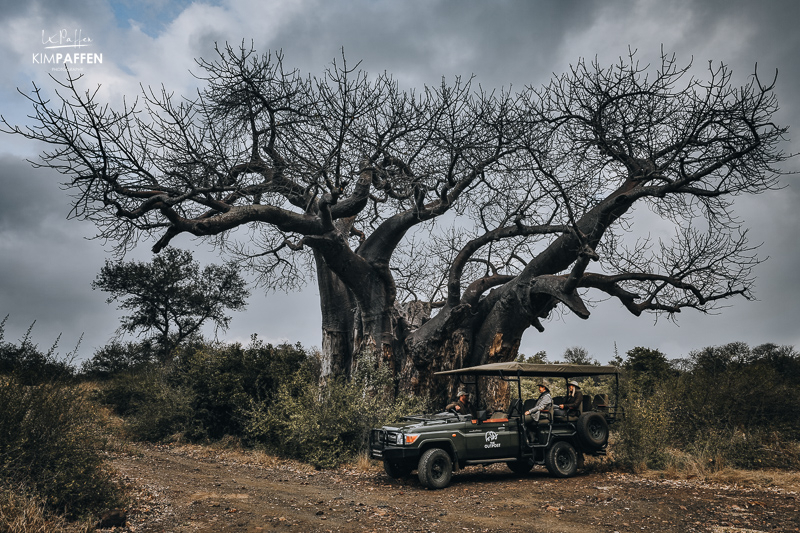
(771, 478)
(762, 479)
(729, 529)
(681, 465)
(364, 464)
(230, 450)
(21, 514)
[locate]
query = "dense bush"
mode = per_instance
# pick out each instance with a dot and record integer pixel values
(723, 406)
(265, 395)
(157, 407)
(49, 446)
(205, 392)
(224, 380)
(330, 423)
(119, 357)
(644, 434)
(28, 363)
(49, 441)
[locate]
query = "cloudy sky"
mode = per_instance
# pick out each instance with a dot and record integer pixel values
(47, 262)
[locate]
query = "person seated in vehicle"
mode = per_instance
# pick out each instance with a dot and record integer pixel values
(532, 415)
(542, 404)
(572, 403)
(462, 405)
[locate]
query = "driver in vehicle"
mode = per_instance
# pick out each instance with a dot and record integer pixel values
(462, 405)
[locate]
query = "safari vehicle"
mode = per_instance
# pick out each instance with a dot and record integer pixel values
(436, 445)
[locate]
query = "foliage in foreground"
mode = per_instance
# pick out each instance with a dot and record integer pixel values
(49, 445)
(28, 363)
(49, 439)
(24, 513)
(328, 424)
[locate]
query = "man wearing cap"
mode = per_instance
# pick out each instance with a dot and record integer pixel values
(574, 399)
(462, 405)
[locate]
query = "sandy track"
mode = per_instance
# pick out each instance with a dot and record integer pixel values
(195, 489)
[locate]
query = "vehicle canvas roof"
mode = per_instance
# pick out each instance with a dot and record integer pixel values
(532, 370)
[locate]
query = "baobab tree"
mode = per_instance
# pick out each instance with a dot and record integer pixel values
(439, 224)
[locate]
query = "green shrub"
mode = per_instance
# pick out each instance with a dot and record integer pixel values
(723, 406)
(49, 445)
(119, 357)
(757, 449)
(29, 364)
(644, 435)
(225, 379)
(155, 408)
(268, 395)
(162, 409)
(205, 393)
(327, 424)
(732, 389)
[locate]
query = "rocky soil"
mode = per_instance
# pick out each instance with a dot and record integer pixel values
(198, 489)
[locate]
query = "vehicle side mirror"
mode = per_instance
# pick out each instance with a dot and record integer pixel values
(482, 416)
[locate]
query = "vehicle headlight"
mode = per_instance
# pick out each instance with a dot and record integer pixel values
(396, 439)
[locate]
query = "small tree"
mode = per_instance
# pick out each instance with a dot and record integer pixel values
(578, 355)
(118, 357)
(171, 295)
(647, 367)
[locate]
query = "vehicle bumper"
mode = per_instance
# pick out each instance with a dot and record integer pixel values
(381, 450)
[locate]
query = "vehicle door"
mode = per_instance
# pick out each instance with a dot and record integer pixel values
(493, 438)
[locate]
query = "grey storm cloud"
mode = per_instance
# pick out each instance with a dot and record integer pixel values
(47, 263)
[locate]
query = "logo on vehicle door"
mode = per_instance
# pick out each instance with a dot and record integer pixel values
(491, 440)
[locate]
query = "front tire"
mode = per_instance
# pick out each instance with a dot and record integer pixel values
(395, 470)
(435, 469)
(561, 459)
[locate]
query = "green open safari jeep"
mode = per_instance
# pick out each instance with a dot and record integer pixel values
(436, 445)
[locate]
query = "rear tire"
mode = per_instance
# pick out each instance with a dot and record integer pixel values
(592, 430)
(561, 459)
(520, 467)
(435, 469)
(395, 470)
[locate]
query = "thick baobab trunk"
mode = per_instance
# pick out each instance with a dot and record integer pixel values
(338, 324)
(359, 326)
(489, 332)
(372, 330)
(380, 329)
(460, 337)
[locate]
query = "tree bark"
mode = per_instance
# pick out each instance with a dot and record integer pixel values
(338, 322)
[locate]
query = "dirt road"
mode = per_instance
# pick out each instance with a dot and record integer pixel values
(196, 489)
